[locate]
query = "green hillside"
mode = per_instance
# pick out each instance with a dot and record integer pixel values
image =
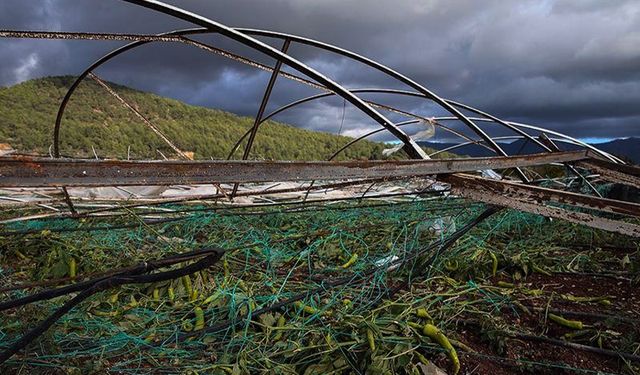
(95, 118)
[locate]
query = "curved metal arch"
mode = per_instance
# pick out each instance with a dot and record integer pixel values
(414, 94)
(342, 92)
(487, 118)
(390, 72)
(409, 122)
(327, 94)
(543, 130)
(524, 134)
(398, 92)
(238, 35)
(411, 147)
(91, 68)
(107, 57)
(453, 103)
(302, 40)
(476, 142)
(112, 54)
(562, 138)
(104, 59)
(501, 138)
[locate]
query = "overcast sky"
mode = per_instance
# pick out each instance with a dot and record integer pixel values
(572, 66)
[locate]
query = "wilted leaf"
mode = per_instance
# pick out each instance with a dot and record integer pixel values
(59, 269)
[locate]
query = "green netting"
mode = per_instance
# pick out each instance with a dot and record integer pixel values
(276, 254)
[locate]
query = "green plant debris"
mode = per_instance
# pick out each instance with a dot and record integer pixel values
(273, 255)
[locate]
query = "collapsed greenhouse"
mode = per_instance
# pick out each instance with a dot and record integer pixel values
(413, 263)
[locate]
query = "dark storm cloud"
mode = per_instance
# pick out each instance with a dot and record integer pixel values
(573, 66)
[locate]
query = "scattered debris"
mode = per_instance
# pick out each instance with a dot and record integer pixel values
(395, 266)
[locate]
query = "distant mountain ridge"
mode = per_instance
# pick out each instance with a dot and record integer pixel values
(627, 149)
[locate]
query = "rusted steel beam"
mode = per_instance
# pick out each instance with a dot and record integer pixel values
(620, 173)
(41, 172)
(64, 35)
(542, 195)
(535, 199)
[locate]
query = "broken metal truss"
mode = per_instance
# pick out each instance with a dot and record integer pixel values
(63, 173)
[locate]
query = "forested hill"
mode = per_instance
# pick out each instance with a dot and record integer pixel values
(95, 118)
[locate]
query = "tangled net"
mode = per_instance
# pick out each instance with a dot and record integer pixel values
(354, 277)
(360, 285)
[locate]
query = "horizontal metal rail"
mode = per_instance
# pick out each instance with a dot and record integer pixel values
(65, 35)
(42, 172)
